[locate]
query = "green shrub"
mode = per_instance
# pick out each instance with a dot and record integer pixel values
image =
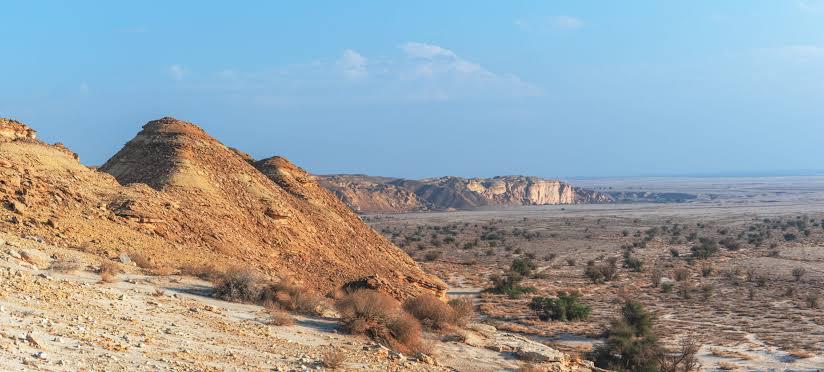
(705, 248)
(509, 284)
(565, 308)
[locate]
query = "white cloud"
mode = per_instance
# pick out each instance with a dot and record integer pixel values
(177, 72)
(353, 65)
(414, 72)
(426, 51)
(565, 22)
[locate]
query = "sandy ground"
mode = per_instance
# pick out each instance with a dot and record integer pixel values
(744, 324)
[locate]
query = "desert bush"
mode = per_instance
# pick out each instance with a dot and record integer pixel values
(706, 270)
(707, 291)
(508, 284)
(238, 285)
(600, 273)
(730, 243)
(633, 263)
(681, 274)
(463, 310)
(632, 345)
(333, 359)
(108, 271)
(66, 265)
(141, 260)
(432, 256)
(667, 287)
(430, 311)
(811, 301)
(705, 248)
(790, 237)
(523, 266)
(567, 307)
(799, 272)
(674, 252)
(290, 296)
(656, 277)
(279, 317)
(570, 261)
(380, 317)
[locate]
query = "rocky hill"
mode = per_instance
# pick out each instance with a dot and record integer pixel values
(181, 198)
(367, 194)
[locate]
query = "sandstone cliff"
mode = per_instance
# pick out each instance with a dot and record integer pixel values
(179, 197)
(381, 195)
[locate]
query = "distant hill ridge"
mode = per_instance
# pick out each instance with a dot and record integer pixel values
(371, 194)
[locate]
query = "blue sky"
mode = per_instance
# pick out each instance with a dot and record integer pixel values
(429, 88)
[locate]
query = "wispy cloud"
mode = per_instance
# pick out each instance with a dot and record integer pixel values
(177, 72)
(414, 72)
(353, 65)
(84, 88)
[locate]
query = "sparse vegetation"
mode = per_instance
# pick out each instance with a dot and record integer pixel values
(566, 307)
(380, 317)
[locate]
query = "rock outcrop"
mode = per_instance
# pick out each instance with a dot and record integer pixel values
(181, 198)
(381, 195)
(11, 130)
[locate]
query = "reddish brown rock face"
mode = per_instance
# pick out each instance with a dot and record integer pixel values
(393, 195)
(181, 197)
(11, 130)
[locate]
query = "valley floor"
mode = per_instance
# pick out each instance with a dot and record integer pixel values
(743, 303)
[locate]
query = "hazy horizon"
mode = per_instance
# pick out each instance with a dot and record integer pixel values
(560, 90)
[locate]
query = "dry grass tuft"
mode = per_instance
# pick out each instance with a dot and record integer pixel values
(290, 296)
(280, 318)
(463, 310)
(141, 260)
(334, 359)
(431, 312)
(108, 272)
(67, 265)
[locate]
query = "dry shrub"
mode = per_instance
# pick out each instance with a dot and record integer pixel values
(203, 271)
(141, 260)
(290, 296)
(67, 265)
(108, 271)
(333, 359)
(380, 317)
(238, 285)
(681, 274)
(463, 310)
(280, 317)
(430, 311)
